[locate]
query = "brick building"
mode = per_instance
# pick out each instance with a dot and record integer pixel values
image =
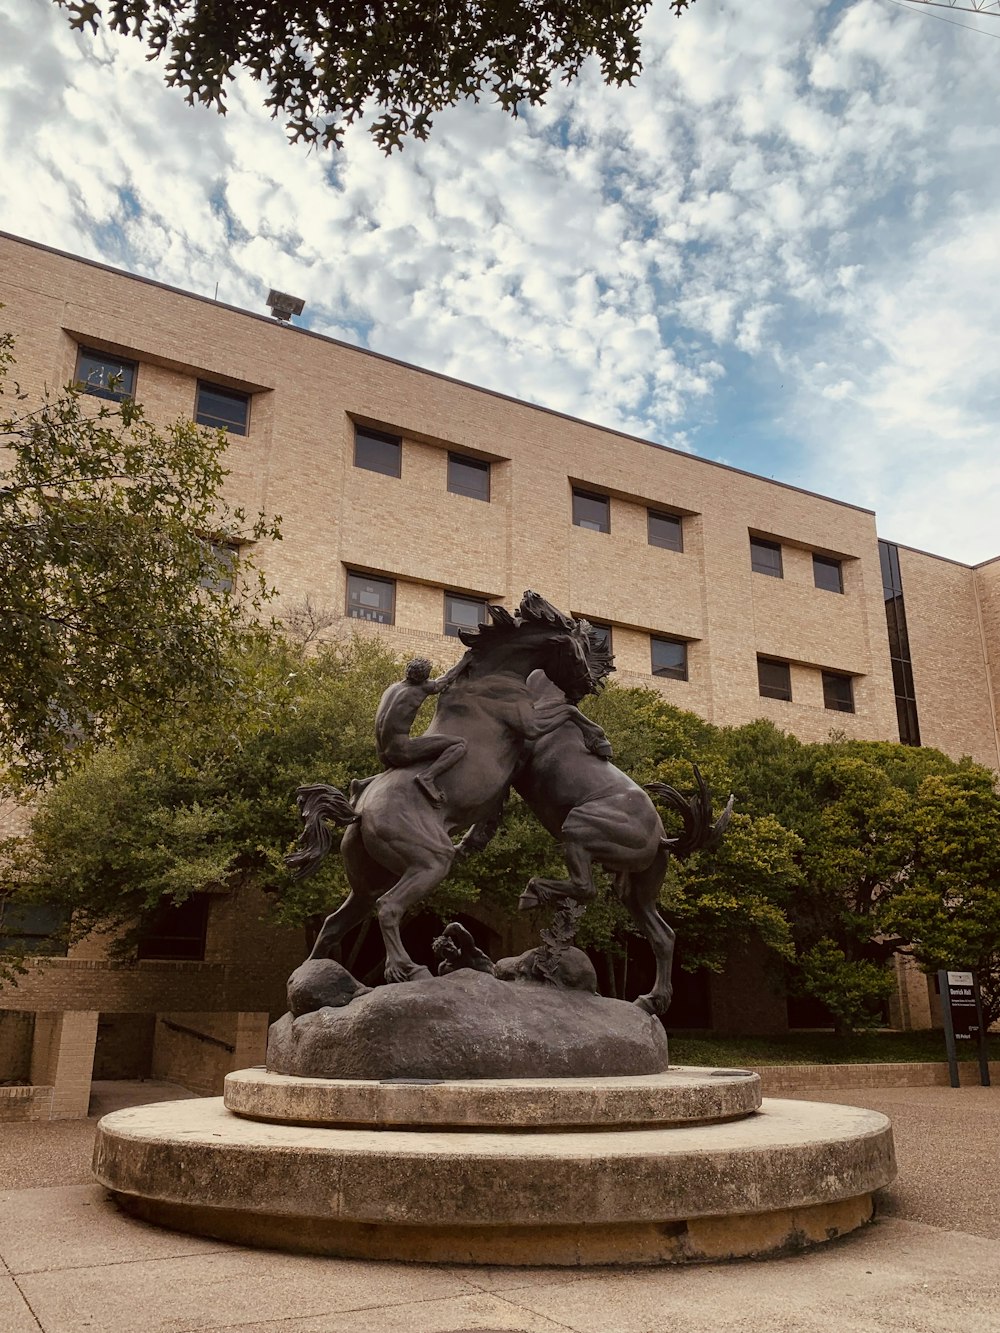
(409, 500)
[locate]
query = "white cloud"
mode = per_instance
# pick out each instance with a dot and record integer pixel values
(811, 196)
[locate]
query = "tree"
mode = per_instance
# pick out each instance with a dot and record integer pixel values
(327, 66)
(122, 591)
(949, 911)
(895, 856)
(208, 797)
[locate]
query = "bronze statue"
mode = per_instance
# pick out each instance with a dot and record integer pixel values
(505, 716)
(455, 948)
(601, 816)
(395, 747)
(398, 847)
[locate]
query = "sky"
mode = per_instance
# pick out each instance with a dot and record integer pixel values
(780, 249)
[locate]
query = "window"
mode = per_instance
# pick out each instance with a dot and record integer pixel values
(468, 476)
(222, 409)
(463, 613)
(219, 566)
(838, 692)
(377, 452)
(669, 658)
(774, 679)
(664, 530)
(106, 375)
(31, 927)
(602, 637)
(899, 645)
(177, 931)
(591, 511)
(765, 557)
(827, 574)
(371, 599)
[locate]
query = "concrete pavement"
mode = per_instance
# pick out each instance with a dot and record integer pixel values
(930, 1264)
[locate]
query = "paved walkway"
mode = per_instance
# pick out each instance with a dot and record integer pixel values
(930, 1263)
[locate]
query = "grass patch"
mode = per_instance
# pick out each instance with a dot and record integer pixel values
(821, 1048)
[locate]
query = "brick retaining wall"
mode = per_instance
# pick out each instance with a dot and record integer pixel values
(776, 1079)
(26, 1103)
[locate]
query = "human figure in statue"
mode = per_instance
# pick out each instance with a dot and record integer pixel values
(396, 713)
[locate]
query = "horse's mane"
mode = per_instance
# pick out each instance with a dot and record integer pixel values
(601, 662)
(534, 610)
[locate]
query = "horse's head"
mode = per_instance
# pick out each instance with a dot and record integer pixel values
(575, 660)
(540, 636)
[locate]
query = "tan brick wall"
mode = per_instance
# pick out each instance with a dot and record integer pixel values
(28, 1103)
(949, 667)
(777, 1079)
(248, 960)
(198, 1050)
(14, 816)
(297, 460)
(910, 1006)
(63, 1059)
(988, 592)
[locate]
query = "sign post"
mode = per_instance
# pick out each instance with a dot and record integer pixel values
(963, 1020)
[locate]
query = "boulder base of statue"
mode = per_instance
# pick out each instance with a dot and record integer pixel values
(470, 1025)
(682, 1166)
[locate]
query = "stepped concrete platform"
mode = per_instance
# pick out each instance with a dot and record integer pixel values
(679, 1096)
(571, 1184)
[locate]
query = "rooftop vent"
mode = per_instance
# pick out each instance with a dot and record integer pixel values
(282, 306)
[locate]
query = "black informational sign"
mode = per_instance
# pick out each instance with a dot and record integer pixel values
(963, 1020)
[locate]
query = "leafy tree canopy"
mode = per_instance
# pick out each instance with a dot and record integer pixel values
(949, 906)
(208, 798)
(839, 853)
(120, 592)
(899, 852)
(327, 66)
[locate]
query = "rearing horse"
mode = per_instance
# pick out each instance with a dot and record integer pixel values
(602, 817)
(397, 848)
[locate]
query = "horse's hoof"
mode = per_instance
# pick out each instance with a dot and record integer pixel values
(656, 1005)
(407, 972)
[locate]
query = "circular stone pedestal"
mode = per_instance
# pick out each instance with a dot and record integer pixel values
(677, 1097)
(522, 1172)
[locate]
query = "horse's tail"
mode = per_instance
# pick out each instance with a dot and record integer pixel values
(317, 804)
(700, 833)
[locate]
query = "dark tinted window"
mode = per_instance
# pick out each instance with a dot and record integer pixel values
(602, 637)
(219, 564)
(463, 613)
(899, 644)
(765, 557)
(665, 530)
(28, 927)
(371, 599)
(827, 575)
(591, 511)
(774, 679)
(177, 932)
(838, 692)
(902, 678)
(468, 476)
(669, 658)
(222, 409)
(377, 452)
(106, 375)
